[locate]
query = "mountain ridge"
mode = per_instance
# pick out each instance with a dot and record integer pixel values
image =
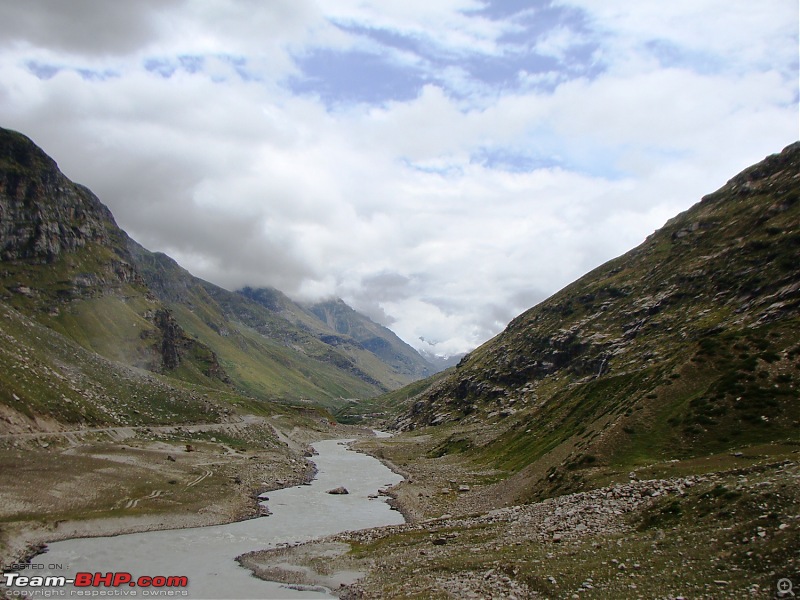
(67, 264)
(685, 345)
(376, 338)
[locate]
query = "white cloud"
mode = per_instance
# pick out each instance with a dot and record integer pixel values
(557, 42)
(395, 206)
(449, 25)
(716, 34)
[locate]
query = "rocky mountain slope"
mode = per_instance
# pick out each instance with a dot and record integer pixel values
(687, 345)
(379, 340)
(67, 266)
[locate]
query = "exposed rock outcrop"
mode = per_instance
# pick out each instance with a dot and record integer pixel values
(175, 344)
(42, 213)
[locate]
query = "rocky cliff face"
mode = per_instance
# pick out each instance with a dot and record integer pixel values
(61, 251)
(45, 216)
(176, 346)
(42, 213)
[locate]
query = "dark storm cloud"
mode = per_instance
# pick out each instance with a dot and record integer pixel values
(84, 27)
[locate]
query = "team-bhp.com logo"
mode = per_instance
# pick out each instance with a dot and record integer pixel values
(96, 580)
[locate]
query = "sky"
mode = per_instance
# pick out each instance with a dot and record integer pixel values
(440, 165)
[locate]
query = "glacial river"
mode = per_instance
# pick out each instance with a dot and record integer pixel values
(205, 555)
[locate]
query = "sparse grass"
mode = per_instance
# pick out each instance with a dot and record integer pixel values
(382, 408)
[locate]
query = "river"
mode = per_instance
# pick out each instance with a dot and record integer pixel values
(205, 555)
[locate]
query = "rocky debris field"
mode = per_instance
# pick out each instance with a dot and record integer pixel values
(716, 535)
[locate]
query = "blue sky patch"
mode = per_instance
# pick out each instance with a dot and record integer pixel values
(94, 75)
(192, 64)
(164, 67)
(356, 77)
(669, 55)
(389, 65)
(514, 160)
(41, 70)
(502, 9)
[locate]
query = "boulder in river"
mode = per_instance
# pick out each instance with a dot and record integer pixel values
(339, 490)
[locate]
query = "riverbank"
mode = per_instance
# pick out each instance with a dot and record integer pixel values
(711, 530)
(210, 504)
(206, 555)
(95, 486)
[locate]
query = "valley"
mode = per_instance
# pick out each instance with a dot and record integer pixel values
(637, 434)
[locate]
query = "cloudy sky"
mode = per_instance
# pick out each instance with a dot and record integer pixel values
(442, 165)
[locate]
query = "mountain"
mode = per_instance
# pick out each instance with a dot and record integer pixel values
(440, 363)
(377, 339)
(67, 266)
(80, 325)
(266, 355)
(688, 345)
(269, 343)
(124, 375)
(66, 263)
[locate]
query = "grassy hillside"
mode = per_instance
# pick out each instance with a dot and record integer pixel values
(48, 381)
(688, 345)
(268, 351)
(381, 410)
(67, 265)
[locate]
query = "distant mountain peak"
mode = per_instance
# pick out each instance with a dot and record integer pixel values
(376, 338)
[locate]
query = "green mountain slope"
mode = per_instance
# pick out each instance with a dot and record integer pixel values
(264, 354)
(688, 345)
(48, 381)
(67, 265)
(382, 366)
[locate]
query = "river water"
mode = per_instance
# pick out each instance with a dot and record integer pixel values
(206, 554)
